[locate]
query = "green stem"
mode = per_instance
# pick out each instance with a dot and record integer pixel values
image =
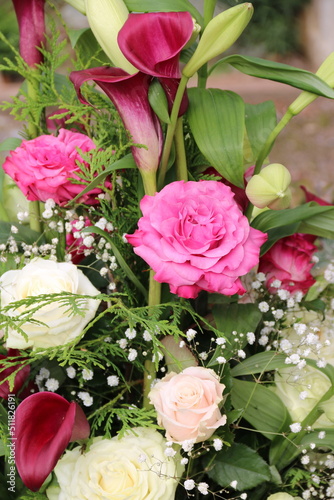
(266, 150)
(149, 182)
(181, 159)
(209, 8)
(170, 131)
(35, 216)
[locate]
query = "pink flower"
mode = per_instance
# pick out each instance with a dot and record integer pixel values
(194, 236)
(45, 423)
(20, 377)
(289, 260)
(187, 404)
(44, 168)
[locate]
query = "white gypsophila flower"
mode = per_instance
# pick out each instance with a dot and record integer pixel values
(234, 484)
(51, 384)
(217, 444)
(220, 341)
(122, 343)
(189, 484)
(170, 452)
(53, 324)
(221, 360)
(283, 294)
(263, 340)
(133, 466)
(132, 354)
(305, 460)
(87, 399)
(295, 427)
(188, 445)
(44, 373)
(130, 333)
(203, 488)
(276, 283)
(256, 285)
(322, 435)
(87, 374)
(147, 336)
(241, 354)
(71, 372)
(113, 380)
(278, 314)
(250, 338)
(184, 461)
(263, 306)
(191, 334)
(261, 277)
(88, 241)
(243, 496)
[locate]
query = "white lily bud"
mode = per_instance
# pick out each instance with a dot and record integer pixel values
(221, 32)
(270, 188)
(106, 18)
(326, 72)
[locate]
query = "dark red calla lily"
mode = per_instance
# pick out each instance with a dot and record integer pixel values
(20, 377)
(30, 17)
(129, 93)
(153, 42)
(45, 423)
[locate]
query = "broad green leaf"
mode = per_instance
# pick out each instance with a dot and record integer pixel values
(308, 212)
(88, 47)
(261, 362)
(158, 101)
(270, 70)
(119, 258)
(164, 6)
(216, 118)
(313, 437)
(229, 318)
(240, 463)
(320, 225)
(74, 35)
(125, 162)
(24, 233)
(278, 233)
(10, 144)
(260, 120)
(262, 408)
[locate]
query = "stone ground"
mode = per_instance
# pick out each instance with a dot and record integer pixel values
(305, 147)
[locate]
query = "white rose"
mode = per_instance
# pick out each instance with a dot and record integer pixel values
(133, 467)
(60, 325)
(282, 496)
(312, 382)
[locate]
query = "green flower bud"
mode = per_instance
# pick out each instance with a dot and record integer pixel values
(326, 72)
(270, 188)
(221, 32)
(106, 18)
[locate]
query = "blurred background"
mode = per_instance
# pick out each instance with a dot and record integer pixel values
(296, 32)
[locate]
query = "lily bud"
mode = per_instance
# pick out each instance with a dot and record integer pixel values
(78, 4)
(106, 18)
(221, 32)
(270, 188)
(326, 72)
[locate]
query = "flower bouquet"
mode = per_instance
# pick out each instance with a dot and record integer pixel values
(166, 307)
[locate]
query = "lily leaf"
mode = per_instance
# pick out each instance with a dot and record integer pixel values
(260, 120)
(217, 121)
(278, 72)
(259, 363)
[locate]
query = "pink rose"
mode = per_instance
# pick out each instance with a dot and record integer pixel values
(187, 404)
(289, 261)
(195, 237)
(43, 167)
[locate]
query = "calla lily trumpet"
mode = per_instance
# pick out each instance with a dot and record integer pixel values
(45, 423)
(30, 17)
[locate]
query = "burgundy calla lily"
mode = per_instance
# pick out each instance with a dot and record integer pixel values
(20, 377)
(45, 423)
(153, 42)
(129, 93)
(312, 197)
(30, 17)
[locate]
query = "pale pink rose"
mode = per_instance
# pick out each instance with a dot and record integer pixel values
(44, 167)
(195, 237)
(187, 404)
(290, 261)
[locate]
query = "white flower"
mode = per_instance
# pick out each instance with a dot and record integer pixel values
(191, 334)
(217, 444)
(71, 372)
(114, 468)
(57, 324)
(130, 333)
(296, 427)
(87, 374)
(203, 488)
(113, 380)
(189, 484)
(264, 306)
(132, 354)
(250, 338)
(234, 484)
(52, 384)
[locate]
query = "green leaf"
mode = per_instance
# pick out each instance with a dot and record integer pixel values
(313, 437)
(164, 6)
(308, 212)
(216, 118)
(125, 162)
(158, 101)
(278, 72)
(24, 234)
(262, 408)
(259, 363)
(88, 47)
(229, 318)
(119, 257)
(278, 233)
(260, 120)
(240, 463)
(10, 144)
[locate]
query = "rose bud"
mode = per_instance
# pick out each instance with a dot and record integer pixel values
(270, 188)
(221, 32)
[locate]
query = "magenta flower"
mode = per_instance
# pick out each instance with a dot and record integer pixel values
(20, 377)
(129, 93)
(30, 17)
(45, 423)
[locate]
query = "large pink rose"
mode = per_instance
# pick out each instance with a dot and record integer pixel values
(44, 167)
(194, 236)
(187, 404)
(289, 261)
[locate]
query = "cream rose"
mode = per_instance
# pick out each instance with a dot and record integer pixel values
(187, 404)
(60, 325)
(133, 467)
(282, 496)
